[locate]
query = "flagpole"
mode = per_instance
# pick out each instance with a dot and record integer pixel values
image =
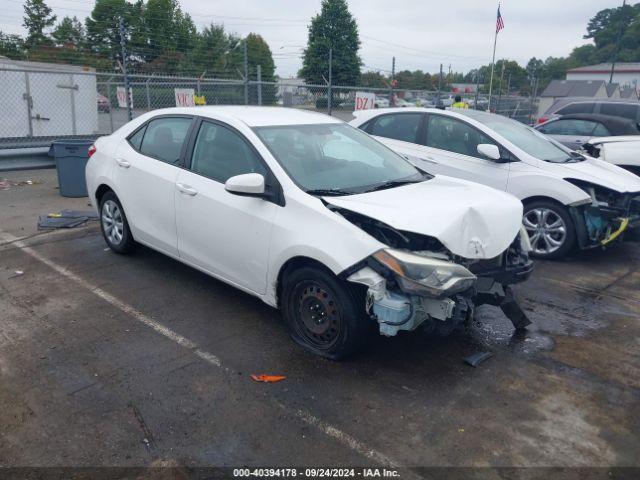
(493, 63)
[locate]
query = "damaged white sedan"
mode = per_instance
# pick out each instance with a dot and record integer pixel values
(312, 216)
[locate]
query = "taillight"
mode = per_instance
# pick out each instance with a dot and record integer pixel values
(542, 120)
(92, 150)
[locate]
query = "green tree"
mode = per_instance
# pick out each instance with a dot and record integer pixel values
(259, 53)
(336, 29)
(103, 35)
(210, 51)
(12, 46)
(373, 80)
(168, 29)
(69, 32)
(37, 18)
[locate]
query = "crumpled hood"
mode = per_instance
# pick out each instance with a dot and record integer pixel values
(598, 172)
(471, 220)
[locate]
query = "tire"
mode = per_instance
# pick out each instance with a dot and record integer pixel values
(324, 314)
(550, 228)
(114, 225)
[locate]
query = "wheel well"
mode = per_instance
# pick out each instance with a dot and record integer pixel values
(292, 264)
(102, 189)
(541, 197)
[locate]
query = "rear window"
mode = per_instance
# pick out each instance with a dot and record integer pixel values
(136, 139)
(164, 137)
(583, 107)
(623, 110)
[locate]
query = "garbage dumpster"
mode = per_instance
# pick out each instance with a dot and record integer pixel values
(71, 160)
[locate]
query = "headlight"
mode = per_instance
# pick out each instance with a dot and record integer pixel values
(424, 275)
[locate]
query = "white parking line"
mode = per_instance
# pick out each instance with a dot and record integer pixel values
(329, 430)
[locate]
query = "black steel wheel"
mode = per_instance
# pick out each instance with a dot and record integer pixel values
(323, 313)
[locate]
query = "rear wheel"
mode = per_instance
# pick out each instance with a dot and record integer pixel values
(114, 226)
(323, 313)
(550, 228)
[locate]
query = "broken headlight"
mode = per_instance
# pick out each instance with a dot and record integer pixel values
(421, 275)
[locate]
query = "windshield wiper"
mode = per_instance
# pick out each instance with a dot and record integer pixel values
(392, 184)
(328, 191)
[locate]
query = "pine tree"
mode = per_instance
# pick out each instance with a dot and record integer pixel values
(37, 18)
(334, 28)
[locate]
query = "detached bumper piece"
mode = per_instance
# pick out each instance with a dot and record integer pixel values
(499, 296)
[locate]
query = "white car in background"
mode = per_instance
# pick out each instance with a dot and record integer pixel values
(623, 151)
(568, 198)
(312, 216)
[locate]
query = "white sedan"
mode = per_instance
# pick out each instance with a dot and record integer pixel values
(623, 151)
(569, 199)
(312, 216)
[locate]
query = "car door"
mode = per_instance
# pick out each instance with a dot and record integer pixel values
(220, 232)
(399, 131)
(147, 166)
(450, 148)
(571, 132)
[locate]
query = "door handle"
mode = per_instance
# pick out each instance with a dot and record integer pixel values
(186, 189)
(122, 163)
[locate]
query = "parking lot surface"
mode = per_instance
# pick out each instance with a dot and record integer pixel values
(139, 360)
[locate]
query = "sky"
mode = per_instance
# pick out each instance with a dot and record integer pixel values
(421, 34)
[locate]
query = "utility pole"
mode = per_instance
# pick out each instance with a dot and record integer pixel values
(392, 102)
(246, 73)
(439, 87)
(259, 78)
(500, 93)
(617, 50)
(330, 83)
(475, 104)
(127, 88)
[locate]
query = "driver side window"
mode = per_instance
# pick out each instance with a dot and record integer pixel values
(220, 153)
(453, 135)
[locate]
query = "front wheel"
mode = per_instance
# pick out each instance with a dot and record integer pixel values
(324, 314)
(550, 228)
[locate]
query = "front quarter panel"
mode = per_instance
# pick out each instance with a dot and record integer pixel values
(527, 183)
(307, 228)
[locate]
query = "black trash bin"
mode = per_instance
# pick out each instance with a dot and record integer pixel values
(71, 160)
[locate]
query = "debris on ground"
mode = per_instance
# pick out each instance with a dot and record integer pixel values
(6, 184)
(267, 378)
(65, 219)
(477, 358)
(16, 273)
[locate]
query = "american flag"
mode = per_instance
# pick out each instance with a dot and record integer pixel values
(499, 21)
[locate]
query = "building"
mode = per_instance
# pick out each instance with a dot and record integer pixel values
(47, 100)
(627, 75)
(559, 89)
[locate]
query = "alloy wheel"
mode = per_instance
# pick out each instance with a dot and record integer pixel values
(546, 228)
(112, 222)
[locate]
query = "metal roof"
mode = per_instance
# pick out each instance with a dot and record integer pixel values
(623, 67)
(573, 88)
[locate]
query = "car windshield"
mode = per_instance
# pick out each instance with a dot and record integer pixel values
(525, 138)
(336, 159)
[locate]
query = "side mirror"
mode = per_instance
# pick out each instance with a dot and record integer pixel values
(248, 184)
(492, 152)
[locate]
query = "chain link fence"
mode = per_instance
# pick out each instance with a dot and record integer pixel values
(42, 105)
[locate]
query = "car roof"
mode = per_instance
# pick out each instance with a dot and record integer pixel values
(254, 116)
(478, 115)
(561, 102)
(617, 124)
